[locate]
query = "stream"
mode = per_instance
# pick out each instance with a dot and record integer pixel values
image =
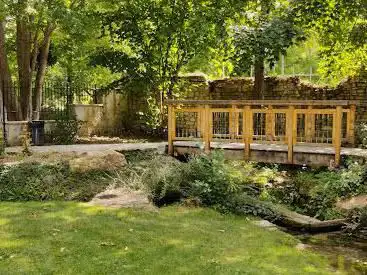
(346, 254)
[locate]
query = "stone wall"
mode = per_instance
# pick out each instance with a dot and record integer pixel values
(118, 113)
(277, 88)
(90, 116)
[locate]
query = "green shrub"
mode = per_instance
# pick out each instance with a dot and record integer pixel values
(213, 180)
(41, 182)
(209, 179)
(315, 192)
(357, 225)
(65, 130)
(361, 134)
(164, 180)
(243, 204)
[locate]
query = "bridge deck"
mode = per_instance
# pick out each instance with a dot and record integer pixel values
(273, 153)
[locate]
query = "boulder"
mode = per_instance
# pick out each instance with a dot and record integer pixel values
(352, 203)
(97, 161)
(123, 198)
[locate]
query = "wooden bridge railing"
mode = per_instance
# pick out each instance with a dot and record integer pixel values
(324, 123)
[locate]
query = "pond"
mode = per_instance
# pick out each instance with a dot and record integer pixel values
(347, 254)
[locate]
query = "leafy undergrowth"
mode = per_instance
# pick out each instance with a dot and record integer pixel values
(229, 186)
(316, 192)
(42, 182)
(47, 176)
(72, 238)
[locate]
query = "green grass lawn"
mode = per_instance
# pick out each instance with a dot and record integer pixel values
(72, 238)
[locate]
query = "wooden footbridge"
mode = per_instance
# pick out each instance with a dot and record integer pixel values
(276, 131)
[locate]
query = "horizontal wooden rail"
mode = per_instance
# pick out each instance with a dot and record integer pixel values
(266, 102)
(247, 125)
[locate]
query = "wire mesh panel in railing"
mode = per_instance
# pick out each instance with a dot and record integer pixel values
(280, 127)
(259, 123)
(240, 123)
(227, 124)
(316, 126)
(301, 127)
(220, 125)
(323, 128)
(269, 125)
(188, 124)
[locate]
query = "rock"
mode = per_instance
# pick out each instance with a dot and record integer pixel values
(97, 161)
(352, 203)
(266, 224)
(301, 246)
(123, 198)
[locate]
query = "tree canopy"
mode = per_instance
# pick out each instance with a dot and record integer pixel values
(144, 45)
(152, 40)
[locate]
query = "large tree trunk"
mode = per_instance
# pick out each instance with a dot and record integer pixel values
(41, 72)
(2, 111)
(259, 78)
(6, 85)
(24, 58)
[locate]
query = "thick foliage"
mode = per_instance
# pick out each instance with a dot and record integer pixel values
(212, 181)
(341, 26)
(65, 130)
(268, 32)
(152, 40)
(362, 134)
(358, 222)
(41, 182)
(266, 42)
(315, 193)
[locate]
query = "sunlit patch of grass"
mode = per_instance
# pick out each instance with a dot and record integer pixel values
(72, 238)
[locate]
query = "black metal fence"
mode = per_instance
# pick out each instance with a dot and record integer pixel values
(125, 117)
(57, 98)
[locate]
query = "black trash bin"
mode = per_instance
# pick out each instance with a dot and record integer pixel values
(38, 132)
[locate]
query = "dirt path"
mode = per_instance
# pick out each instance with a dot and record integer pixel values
(81, 148)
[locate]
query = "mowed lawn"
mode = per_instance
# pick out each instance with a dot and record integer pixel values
(72, 238)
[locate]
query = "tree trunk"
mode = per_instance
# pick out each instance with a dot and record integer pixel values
(1, 111)
(259, 78)
(298, 222)
(41, 72)
(6, 84)
(24, 58)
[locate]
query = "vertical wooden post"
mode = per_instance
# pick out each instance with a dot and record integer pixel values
(171, 129)
(309, 124)
(207, 126)
(236, 122)
(199, 127)
(270, 123)
(247, 130)
(291, 123)
(351, 120)
(294, 127)
(337, 133)
(233, 124)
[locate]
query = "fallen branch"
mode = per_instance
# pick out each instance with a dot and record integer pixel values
(295, 221)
